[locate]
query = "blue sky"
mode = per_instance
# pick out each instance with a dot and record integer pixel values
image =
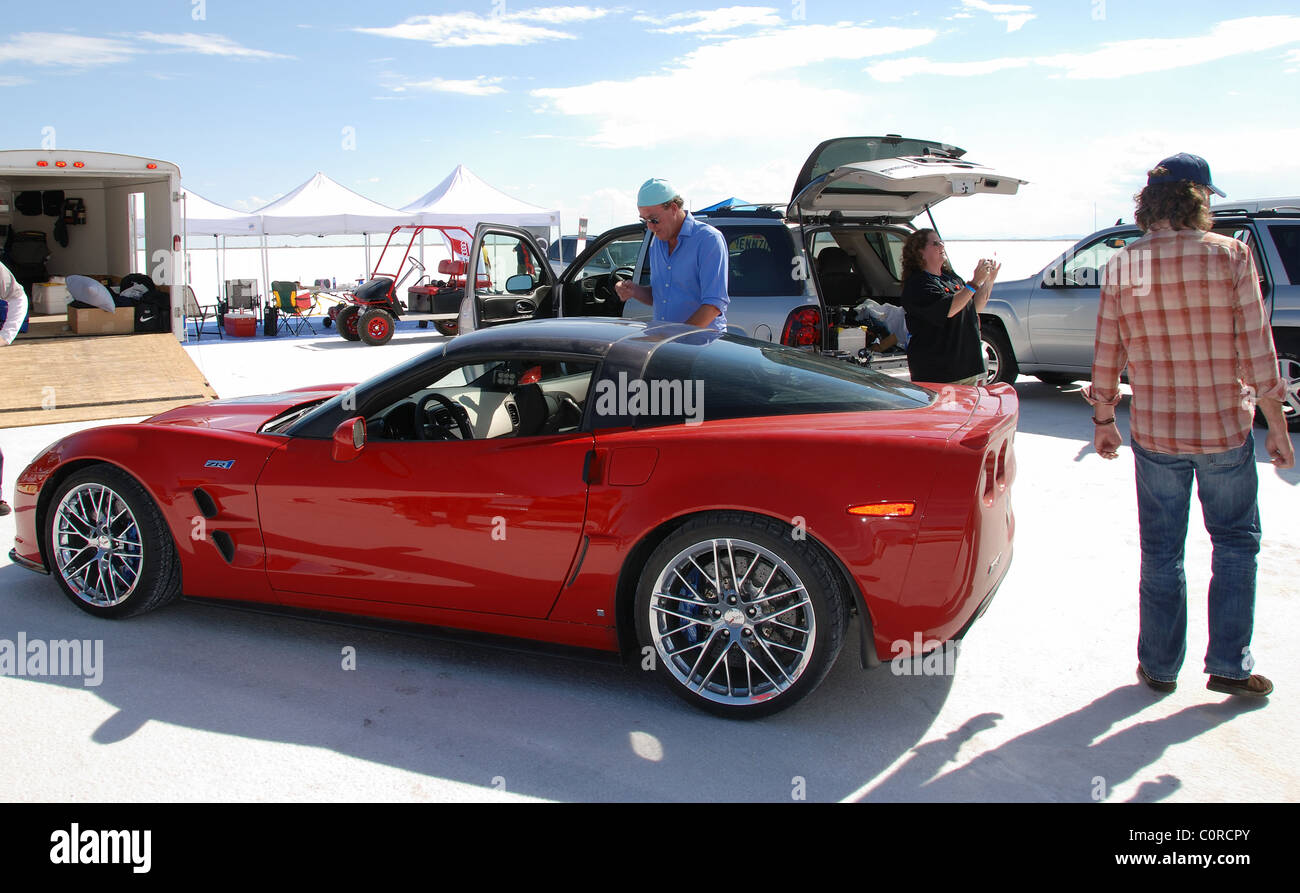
(573, 106)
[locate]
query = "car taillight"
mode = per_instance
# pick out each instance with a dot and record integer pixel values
(803, 328)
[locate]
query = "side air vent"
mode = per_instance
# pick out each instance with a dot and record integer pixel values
(225, 545)
(207, 505)
(514, 413)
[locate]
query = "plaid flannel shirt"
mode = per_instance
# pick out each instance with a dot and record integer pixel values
(1182, 309)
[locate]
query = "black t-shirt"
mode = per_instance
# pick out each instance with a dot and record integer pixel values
(942, 348)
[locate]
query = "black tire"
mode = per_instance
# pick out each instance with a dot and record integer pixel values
(375, 326)
(1057, 378)
(424, 324)
(793, 655)
(328, 321)
(347, 322)
(446, 327)
(1001, 362)
(135, 568)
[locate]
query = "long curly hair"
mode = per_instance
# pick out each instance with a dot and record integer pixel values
(1182, 203)
(914, 248)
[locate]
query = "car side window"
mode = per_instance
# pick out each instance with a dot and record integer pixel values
(1082, 268)
(504, 256)
(759, 261)
(1287, 241)
(507, 397)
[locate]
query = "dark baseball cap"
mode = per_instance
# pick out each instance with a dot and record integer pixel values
(1185, 166)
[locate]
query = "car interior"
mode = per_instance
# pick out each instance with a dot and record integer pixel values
(504, 398)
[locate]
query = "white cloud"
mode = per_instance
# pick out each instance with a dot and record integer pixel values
(467, 29)
(208, 45)
(894, 70)
(1126, 58)
(1014, 15)
(560, 15)
(704, 109)
(13, 81)
(712, 21)
(478, 86)
(66, 50)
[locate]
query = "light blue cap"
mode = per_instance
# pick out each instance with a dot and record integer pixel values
(655, 192)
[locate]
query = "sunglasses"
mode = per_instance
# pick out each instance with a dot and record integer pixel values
(652, 221)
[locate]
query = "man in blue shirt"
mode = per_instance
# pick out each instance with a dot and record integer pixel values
(688, 262)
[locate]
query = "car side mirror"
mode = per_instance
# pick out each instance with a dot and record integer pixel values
(523, 284)
(349, 438)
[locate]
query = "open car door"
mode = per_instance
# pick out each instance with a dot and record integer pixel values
(587, 284)
(508, 279)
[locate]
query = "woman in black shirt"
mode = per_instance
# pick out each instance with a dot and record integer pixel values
(943, 312)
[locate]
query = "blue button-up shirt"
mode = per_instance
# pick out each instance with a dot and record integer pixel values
(694, 274)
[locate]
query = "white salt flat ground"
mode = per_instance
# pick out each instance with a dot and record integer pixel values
(204, 703)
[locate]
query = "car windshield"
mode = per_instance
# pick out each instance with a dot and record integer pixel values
(745, 378)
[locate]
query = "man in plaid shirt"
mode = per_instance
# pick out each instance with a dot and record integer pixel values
(1181, 307)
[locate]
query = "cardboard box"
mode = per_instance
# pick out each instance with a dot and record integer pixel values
(93, 321)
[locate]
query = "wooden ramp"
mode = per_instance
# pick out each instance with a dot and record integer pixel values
(45, 380)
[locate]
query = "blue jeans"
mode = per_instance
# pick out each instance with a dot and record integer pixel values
(1228, 489)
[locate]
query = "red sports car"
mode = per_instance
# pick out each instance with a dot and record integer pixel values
(713, 507)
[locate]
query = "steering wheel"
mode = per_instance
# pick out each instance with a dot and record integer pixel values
(606, 291)
(454, 411)
(567, 402)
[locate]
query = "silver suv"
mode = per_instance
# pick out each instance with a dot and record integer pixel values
(800, 274)
(1046, 325)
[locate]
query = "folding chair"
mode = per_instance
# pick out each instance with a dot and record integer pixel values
(294, 306)
(200, 313)
(241, 294)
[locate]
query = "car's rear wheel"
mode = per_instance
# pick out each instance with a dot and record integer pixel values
(347, 321)
(375, 327)
(744, 617)
(446, 327)
(999, 361)
(109, 546)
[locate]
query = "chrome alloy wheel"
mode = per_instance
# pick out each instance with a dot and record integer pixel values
(1288, 368)
(992, 365)
(732, 621)
(97, 546)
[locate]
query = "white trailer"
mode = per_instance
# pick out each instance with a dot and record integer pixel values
(113, 188)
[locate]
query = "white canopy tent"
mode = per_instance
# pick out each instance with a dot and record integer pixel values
(322, 207)
(207, 218)
(462, 199)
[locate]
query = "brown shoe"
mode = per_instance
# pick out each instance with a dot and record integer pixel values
(1255, 686)
(1163, 688)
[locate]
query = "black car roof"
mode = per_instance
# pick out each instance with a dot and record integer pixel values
(578, 335)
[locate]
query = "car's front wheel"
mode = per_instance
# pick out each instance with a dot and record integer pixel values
(109, 546)
(743, 614)
(999, 361)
